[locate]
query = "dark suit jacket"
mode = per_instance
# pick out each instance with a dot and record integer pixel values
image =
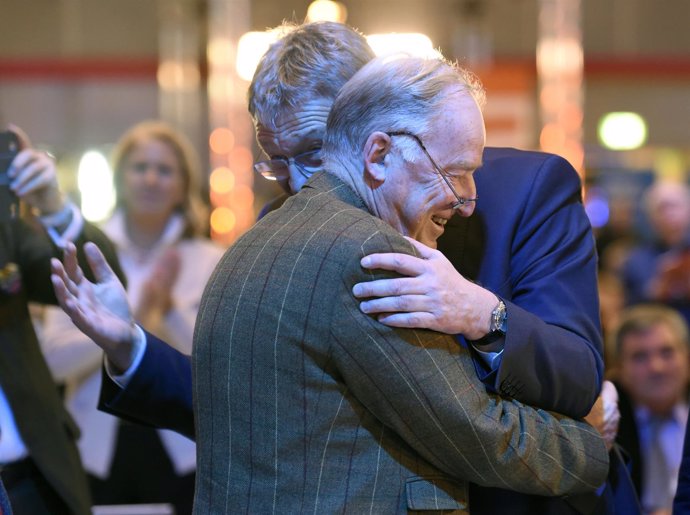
(303, 402)
(681, 503)
(44, 424)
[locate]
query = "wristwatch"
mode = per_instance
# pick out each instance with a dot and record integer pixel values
(499, 318)
(498, 326)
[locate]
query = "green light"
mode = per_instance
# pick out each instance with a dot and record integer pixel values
(622, 131)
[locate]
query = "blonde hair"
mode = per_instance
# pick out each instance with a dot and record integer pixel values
(192, 208)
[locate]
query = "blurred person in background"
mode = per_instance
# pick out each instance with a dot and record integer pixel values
(39, 462)
(157, 229)
(659, 270)
(530, 201)
(652, 373)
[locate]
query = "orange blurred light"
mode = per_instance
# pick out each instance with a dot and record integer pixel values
(242, 198)
(552, 138)
(222, 180)
(223, 220)
(221, 140)
(240, 158)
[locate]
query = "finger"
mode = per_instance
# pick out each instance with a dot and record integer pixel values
(36, 177)
(61, 291)
(423, 251)
(72, 268)
(403, 304)
(59, 270)
(389, 287)
(407, 320)
(19, 163)
(401, 263)
(99, 266)
(69, 304)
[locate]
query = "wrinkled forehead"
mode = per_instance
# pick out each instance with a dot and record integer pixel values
(293, 127)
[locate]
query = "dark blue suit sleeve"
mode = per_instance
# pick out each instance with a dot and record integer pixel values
(159, 394)
(544, 267)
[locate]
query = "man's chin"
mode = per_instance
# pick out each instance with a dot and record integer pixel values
(429, 242)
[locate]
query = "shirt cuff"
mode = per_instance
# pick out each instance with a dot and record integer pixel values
(492, 359)
(65, 225)
(122, 380)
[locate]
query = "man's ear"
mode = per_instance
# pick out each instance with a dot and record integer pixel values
(376, 148)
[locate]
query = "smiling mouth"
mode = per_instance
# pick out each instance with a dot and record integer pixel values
(439, 221)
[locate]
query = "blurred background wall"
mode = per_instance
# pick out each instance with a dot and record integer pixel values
(76, 73)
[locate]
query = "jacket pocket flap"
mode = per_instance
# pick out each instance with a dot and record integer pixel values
(435, 493)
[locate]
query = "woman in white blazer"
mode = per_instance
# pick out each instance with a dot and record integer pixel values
(156, 229)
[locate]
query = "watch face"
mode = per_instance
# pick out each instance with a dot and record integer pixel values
(499, 318)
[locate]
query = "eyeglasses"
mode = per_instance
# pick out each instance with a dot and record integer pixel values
(276, 169)
(461, 200)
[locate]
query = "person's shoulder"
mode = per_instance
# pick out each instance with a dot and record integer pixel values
(532, 159)
(516, 165)
(272, 205)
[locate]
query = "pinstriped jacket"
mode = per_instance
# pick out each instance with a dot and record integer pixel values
(305, 404)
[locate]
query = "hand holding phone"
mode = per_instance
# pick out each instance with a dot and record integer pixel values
(9, 203)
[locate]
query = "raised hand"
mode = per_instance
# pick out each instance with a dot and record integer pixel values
(432, 295)
(99, 309)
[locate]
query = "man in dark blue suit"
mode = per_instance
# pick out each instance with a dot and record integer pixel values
(532, 313)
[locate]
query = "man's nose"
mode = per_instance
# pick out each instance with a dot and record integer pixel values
(467, 190)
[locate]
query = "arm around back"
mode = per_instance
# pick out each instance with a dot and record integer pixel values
(424, 386)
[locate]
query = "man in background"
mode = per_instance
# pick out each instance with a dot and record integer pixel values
(653, 375)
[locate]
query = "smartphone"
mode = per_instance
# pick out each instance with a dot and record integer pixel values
(9, 203)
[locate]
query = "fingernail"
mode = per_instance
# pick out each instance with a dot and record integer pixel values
(356, 290)
(363, 306)
(366, 261)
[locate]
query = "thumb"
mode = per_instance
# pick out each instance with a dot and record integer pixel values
(24, 141)
(422, 250)
(100, 267)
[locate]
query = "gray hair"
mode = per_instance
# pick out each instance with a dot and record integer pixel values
(399, 93)
(309, 61)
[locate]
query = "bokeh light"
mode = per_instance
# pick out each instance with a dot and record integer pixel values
(221, 140)
(250, 48)
(222, 180)
(413, 43)
(223, 220)
(95, 182)
(326, 10)
(622, 131)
